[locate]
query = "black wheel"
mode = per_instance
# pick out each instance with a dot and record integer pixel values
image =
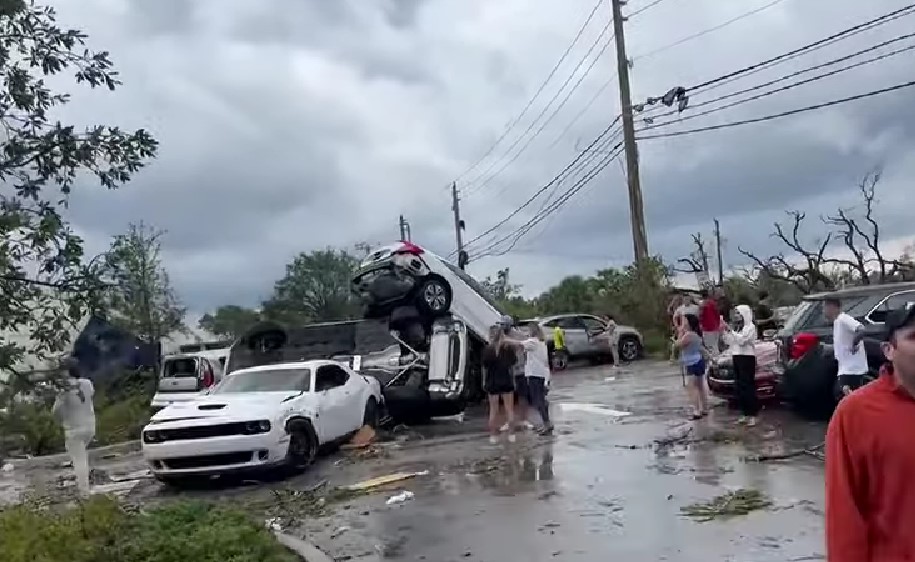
(371, 417)
(560, 360)
(434, 296)
(303, 445)
(630, 348)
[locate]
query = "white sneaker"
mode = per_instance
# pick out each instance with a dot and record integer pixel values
(751, 421)
(493, 440)
(511, 438)
(527, 425)
(742, 420)
(504, 428)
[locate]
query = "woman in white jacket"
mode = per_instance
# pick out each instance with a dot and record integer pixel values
(741, 339)
(76, 413)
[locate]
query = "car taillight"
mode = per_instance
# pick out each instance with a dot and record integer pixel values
(206, 377)
(801, 344)
(409, 248)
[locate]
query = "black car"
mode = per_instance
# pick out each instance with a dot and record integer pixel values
(810, 369)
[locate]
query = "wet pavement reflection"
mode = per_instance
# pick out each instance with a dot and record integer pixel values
(612, 481)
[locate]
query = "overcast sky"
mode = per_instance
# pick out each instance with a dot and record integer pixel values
(290, 125)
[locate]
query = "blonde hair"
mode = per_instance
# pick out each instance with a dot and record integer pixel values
(536, 330)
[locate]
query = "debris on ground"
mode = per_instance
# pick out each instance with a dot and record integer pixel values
(593, 409)
(406, 495)
(679, 434)
(732, 504)
(384, 480)
(363, 438)
(8, 467)
(815, 451)
(366, 453)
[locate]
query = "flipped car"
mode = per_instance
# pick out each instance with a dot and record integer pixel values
(261, 417)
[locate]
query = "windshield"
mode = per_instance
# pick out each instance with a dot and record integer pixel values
(274, 380)
(799, 313)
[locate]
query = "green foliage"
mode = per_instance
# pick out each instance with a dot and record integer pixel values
(117, 421)
(316, 288)
(100, 529)
(140, 294)
(46, 285)
(229, 320)
(31, 428)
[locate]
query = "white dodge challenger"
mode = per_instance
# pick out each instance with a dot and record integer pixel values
(261, 417)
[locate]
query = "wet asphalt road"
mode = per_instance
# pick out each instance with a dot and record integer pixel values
(600, 486)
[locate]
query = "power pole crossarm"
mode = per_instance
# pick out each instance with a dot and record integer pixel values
(458, 226)
(636, 211)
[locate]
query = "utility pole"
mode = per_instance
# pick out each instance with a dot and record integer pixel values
(636, 211)
(404, 229)
(718, 249)
(458, 226)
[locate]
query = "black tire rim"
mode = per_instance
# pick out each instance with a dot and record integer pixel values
(300, 448)
(435, 296)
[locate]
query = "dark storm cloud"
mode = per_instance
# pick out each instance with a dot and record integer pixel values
(290, 125)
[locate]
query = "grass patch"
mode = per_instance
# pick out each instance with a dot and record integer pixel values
(101, 529)
(731, 504)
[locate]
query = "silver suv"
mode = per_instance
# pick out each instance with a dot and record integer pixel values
(580, 330)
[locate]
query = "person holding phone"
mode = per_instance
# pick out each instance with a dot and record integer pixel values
(741, 339)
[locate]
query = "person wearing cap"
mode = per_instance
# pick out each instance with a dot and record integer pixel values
(848, 345)
(870, 459)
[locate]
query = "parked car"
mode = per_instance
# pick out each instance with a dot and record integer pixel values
(768, 373)
(580, 330)
(184, 377)
(261, 417)
(810, 368)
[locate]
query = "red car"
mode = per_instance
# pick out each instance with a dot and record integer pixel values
(768, 373)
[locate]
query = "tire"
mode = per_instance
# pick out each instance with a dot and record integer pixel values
(434, 296)
(371, 416)
(630, 348)
(303, 445)
(560, 361)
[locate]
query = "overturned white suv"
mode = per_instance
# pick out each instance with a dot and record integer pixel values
(261, 417)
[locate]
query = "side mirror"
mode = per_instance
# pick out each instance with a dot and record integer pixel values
(769, 335)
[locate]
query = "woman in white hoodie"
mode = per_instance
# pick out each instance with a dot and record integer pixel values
(742, 339)
(76, 413)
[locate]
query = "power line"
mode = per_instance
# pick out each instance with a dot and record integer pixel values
(524, 229)
(782, 114)
(581, 113)
(782, 89)
(539, 91)
(547, 186)
(841, 34)
(548, 119)
(559, 201)
(539, 116)
(709, 30)
(791, 75)
(645, 8)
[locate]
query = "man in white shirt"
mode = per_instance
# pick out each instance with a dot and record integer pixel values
(848, 346)
(76, 413)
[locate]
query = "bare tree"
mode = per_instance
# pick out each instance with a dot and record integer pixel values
(807, 277)
(698, 259)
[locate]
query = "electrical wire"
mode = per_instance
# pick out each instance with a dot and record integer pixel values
(870, 24)
(603, 87)
(524, 229)
(704, 32)
(791, 75)
(555, 179)
(782, 114)
(539, 91)
(781, 89)
(548, 119)
(645, 8)
(474, 182)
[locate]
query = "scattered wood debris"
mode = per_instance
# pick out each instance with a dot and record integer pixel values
(731, 504)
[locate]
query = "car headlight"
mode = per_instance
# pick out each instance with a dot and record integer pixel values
(151, 436)
(260, 426)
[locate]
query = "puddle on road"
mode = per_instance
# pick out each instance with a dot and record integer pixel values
(593, 409)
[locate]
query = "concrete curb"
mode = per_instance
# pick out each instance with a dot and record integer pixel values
(307, 551)
(95, 455)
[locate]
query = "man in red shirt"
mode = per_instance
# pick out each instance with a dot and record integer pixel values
(710, 322)
(870, 459)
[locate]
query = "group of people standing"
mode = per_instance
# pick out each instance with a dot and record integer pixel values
(516, 378)
(700, 332)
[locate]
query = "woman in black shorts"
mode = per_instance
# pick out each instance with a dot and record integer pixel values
(498, 360)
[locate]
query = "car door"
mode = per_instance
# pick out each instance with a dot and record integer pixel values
(336, 401)
(594, 326)
(575, 334)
